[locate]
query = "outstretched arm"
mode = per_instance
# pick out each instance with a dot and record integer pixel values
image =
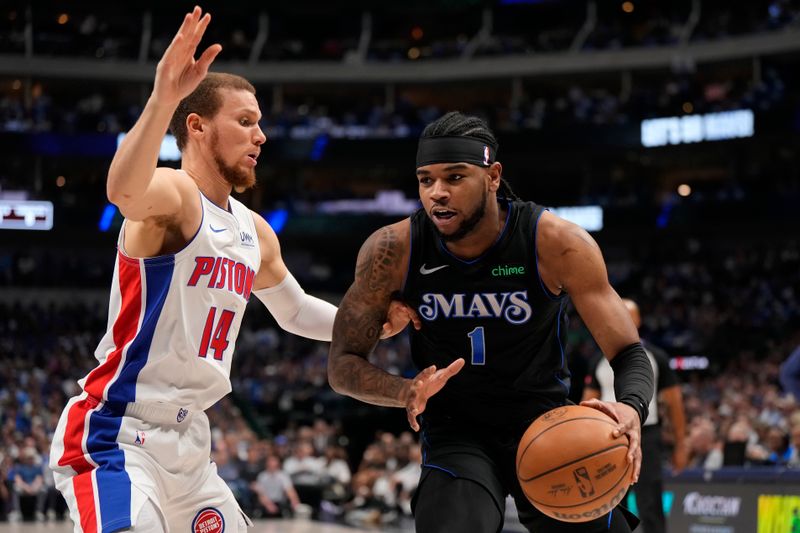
(296, 311)
(133, 183)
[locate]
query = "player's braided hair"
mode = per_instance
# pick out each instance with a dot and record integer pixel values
(457, 124)
(506, 191)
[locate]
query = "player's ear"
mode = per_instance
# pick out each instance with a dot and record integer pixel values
(194, 125)
(495, 172)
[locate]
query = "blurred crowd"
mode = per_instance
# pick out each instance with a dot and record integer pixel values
(284, 440)
(416, 31)
(740, 310)
(305, 470)
(742, 417)
(48, 107)
(421, 31)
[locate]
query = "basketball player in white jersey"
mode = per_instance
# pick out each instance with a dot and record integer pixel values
(132, 450)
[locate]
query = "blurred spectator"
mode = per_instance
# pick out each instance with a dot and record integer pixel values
(252, 466)
(790, 374)
(29, 490)
(794, 447)
(406, 478)
(276, 494)
(228, 470)
(5, 486)
(54, 506)
(302, 466)
(740, 446)
(307, 473)
(778, 446)
(336, 466)
(338, 476)
(705, 450)
(371, 489)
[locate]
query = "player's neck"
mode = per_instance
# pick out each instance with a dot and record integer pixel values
(209, 180)
(483, 236)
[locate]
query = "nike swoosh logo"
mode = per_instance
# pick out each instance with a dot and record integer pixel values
(425, 271)
(215, 230)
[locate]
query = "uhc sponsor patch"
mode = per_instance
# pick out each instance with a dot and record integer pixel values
(208, 520)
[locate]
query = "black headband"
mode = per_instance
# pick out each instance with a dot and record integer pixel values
(455, 150)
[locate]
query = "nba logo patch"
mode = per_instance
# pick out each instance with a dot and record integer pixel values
(140, 436)
(182, 414)
(208, 520)
(485, 155)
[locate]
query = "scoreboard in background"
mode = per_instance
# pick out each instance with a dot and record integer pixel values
(26, 215)
(697, 128)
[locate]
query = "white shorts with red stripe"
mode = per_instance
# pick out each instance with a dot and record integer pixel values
(107, 464)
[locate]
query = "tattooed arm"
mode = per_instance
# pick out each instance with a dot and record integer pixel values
(380, 269)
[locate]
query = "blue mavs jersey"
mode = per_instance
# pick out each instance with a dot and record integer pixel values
(495, 312)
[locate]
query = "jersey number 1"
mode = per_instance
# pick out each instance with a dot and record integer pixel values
(478, 346)
(219, 340)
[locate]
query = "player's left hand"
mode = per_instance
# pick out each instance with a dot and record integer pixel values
(178, 73)
(629, 425)
(400, 314)
(426, 384)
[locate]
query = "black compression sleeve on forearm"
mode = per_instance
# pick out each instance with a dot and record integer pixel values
(633, 379)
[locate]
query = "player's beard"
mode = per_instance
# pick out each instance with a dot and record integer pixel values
(468, 224)
(240, 179)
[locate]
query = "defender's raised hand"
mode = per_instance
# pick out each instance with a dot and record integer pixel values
(178, 73)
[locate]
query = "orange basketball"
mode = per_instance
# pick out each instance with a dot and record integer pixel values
(570, 466)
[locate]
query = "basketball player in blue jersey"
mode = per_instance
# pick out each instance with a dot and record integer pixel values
(132, 450)
(489, 276)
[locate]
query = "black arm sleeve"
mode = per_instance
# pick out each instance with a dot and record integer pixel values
(633, 379)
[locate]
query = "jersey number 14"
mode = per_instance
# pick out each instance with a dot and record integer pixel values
(215, 337)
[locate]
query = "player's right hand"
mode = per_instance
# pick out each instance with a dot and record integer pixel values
(426, 384)
(178, 73)
(629, 425)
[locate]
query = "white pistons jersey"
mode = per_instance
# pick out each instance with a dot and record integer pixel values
(173, 319)
(137, 432)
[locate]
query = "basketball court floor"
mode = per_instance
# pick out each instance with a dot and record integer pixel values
(262, 526)
(298, 525)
